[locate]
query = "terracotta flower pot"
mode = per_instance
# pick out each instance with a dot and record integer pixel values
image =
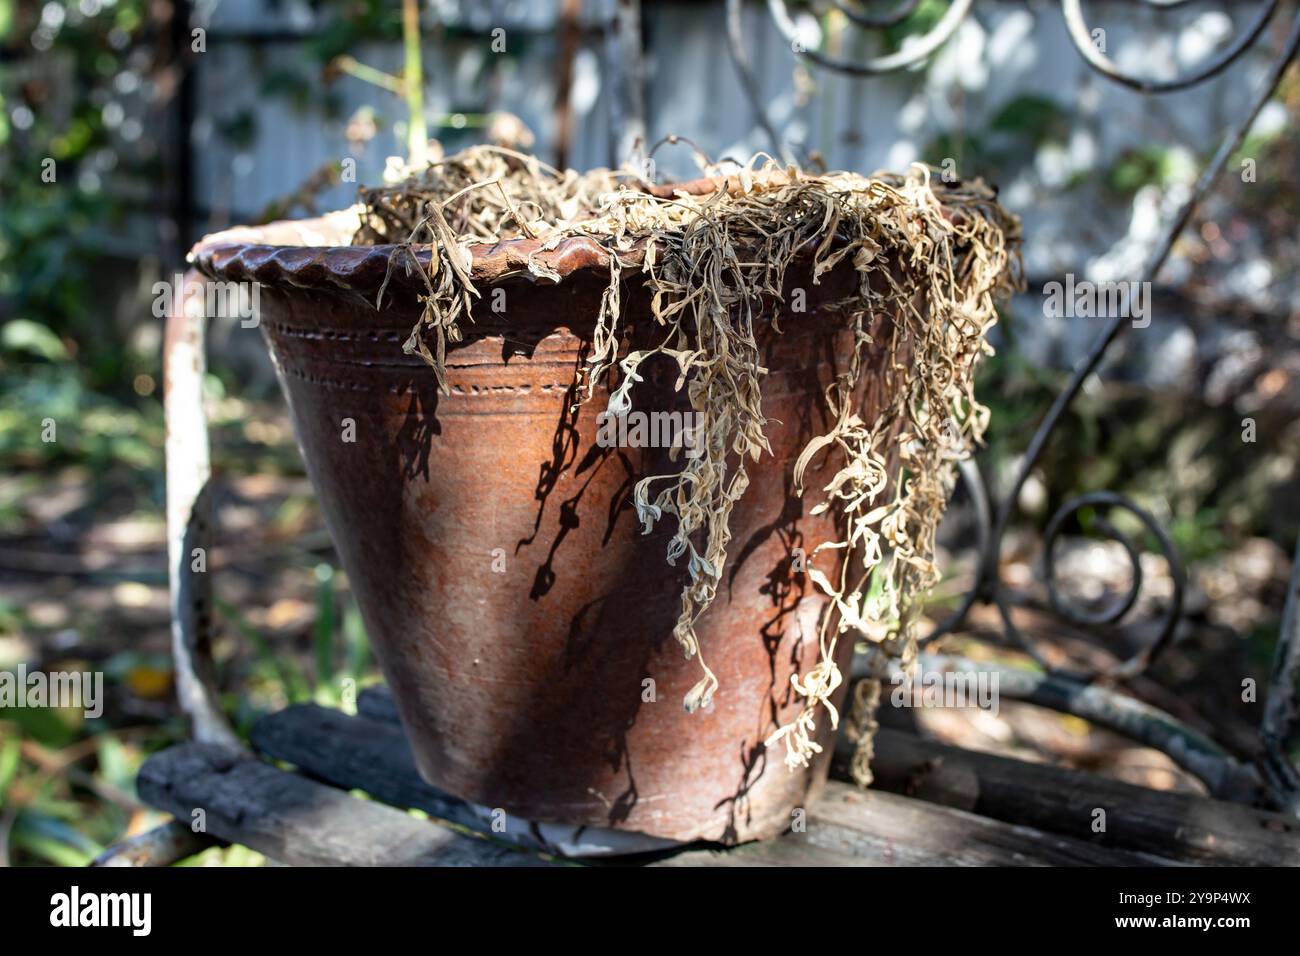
(520, 616)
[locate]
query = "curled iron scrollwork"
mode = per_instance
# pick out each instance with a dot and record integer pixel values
(1118, 609)
(916, 52)
(1080, 32)
(1082, 38)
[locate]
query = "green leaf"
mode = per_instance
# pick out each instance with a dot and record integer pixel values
(324, 627)
(1135, 168)
(116, 764)
(53, 840)
(1036, 118)
(24, 335)
(295, 687)
(924, 19)
(9, 753)
(46, 725)
(355, 641)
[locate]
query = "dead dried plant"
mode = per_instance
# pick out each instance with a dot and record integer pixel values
(932, 257)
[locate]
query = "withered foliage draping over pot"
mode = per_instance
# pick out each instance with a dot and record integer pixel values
(931, 258)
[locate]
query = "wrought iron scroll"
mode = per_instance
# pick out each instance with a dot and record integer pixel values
(1278, 780)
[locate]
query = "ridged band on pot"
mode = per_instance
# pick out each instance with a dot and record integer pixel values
(519, 614)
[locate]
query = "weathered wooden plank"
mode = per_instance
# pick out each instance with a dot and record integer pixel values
(359, 752)
(162, 846)
(888, 829)
(781, 852)
(852, 827)
(356, 753)
(1172, 825)
(370, 753)
(377, 703)
(299, 821)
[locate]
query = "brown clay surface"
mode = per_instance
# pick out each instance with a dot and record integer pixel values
(514, 605)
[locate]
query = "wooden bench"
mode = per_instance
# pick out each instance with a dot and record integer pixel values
(932, 805)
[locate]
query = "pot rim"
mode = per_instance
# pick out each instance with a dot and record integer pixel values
(299, 253)
(306, 253)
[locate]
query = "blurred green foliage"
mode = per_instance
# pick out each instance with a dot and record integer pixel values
(61, 115)
(1007, 143)
(924, 19)
(1180, 457)
(67, 789)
